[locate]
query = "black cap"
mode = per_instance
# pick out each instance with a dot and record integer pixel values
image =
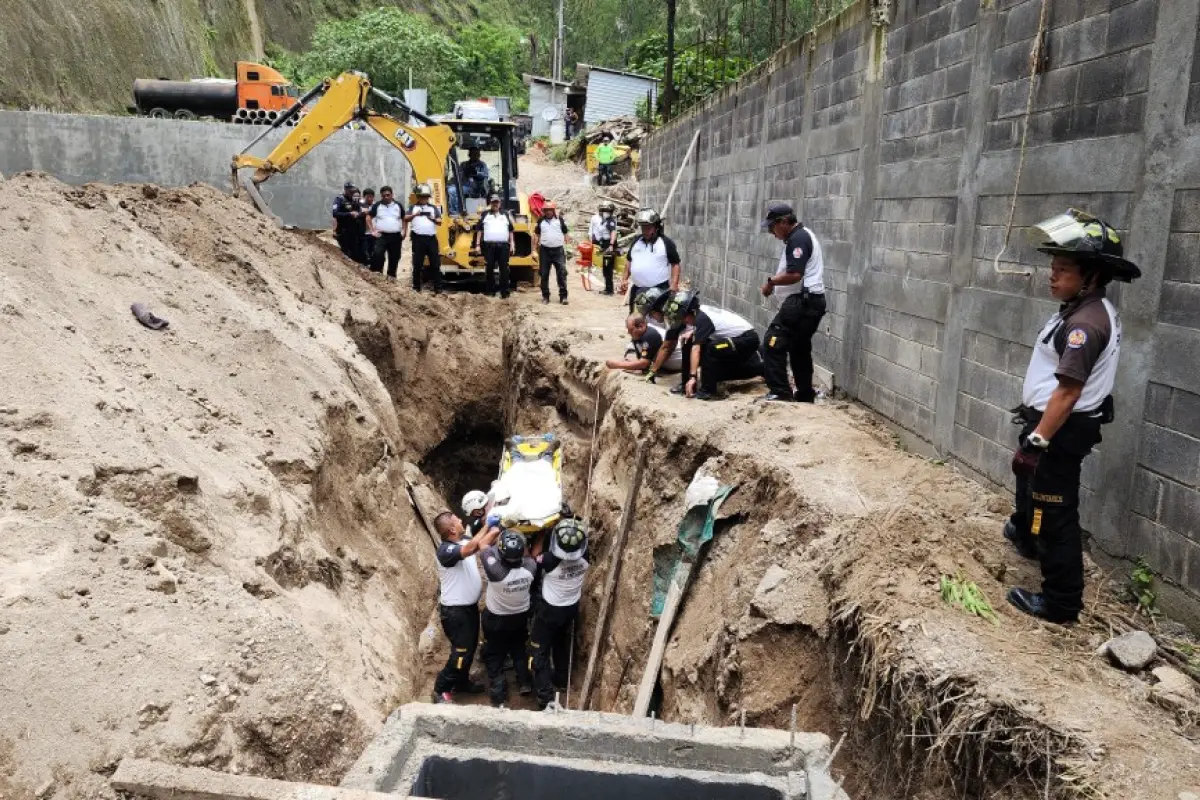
(776, 211)
(348, 185)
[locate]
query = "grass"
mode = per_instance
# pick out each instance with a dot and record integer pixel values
(967, 596)
(1141, 587)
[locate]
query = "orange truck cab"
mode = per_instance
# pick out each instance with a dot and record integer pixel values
(260, 87)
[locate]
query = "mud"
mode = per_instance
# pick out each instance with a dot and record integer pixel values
(208, 555)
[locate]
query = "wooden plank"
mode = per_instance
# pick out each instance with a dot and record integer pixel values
(683, 574)
(614, 571)
(157, 781)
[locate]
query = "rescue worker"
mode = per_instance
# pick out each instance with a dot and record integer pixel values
(423, 220)
(563, 568)
(368, 241)
(346, 226)
(1066, 398)
(653, 258)
(799, 285)
(509, 571)
(603, 232)
(650, 304)
(458, 603)
(474, 505)
(721, 346)
(645, 341)
(606, 156)
(386, 224)
(550, 241)
(475, 174)
(495, 229)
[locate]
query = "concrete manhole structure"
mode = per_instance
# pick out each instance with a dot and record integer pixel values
(477, 753)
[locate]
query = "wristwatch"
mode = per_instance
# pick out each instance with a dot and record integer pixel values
(1038, 441)
(770, 280)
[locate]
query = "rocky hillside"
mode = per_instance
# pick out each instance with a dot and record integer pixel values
(84, 56)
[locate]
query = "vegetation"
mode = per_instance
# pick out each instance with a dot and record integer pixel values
(1141, 587)
(966, 595)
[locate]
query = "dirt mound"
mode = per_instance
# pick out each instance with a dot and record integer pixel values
(821, 590)
(203, 554)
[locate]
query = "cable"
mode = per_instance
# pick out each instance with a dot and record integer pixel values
(1035, 57)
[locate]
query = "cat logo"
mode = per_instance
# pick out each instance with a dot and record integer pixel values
(406, 139)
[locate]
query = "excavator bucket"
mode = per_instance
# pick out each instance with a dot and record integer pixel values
(256, 197)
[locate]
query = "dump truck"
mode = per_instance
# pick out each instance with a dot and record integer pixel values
(259, 95)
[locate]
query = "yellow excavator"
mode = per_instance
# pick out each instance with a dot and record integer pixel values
(432, 148)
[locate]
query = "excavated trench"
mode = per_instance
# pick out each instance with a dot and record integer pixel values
(733, 656)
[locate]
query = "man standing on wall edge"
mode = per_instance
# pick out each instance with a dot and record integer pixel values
(1066, 398)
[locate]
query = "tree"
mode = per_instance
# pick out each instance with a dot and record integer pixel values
(492, 60)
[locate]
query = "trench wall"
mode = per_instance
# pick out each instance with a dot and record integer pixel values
(895, 131)
(78, 148)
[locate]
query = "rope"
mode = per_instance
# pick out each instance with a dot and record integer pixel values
(1035, 57)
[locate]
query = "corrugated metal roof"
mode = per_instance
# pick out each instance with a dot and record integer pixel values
(615, 94)
(583, 71)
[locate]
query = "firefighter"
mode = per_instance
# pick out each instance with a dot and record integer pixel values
(1066, 398)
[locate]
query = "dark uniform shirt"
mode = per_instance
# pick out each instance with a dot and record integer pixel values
(648, 346)
(343, 207)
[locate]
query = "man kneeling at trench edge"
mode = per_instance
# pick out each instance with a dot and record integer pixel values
(720, 347)
(1066, 398)
(458, 603)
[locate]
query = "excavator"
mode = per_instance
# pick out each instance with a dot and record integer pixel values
(431, 147)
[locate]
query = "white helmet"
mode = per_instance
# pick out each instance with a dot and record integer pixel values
(474, 501)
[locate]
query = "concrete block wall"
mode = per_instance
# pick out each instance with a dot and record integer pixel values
(78, 148)
(895, 130)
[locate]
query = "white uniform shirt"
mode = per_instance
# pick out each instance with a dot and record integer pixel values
(509, 586)
(1046, 363)
(650, 264)
(550, 232)
(599, 230)
(424, 226)
(801, 251)
(389, 217)
(495, 227)
(460, 581)
(562, 580)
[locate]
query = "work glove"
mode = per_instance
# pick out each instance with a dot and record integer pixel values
(651, 376)
(1025, 460)
(493, 520)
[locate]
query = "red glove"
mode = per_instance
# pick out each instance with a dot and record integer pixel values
(1025, 461)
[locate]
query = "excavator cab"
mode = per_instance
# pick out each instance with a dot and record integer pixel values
(470, 186)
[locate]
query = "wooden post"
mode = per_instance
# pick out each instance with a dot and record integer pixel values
(654, 663)
(614, 571)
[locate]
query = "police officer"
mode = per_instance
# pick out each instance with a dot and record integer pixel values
(495, 229)
(563, 568)
(721, 346)
(1066, 398)
(509, 571)
(458, 603)
(347, 228)
(550, 241)
(423, 220)
(798, 284)
(653, 258)
(603, 232)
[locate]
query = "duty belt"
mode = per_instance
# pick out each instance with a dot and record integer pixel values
(1105, 412)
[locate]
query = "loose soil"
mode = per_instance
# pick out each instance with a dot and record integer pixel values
(208, 555)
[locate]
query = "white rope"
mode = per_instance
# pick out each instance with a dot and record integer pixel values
(1035, 57)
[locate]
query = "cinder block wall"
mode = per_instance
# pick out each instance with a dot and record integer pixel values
(895, 130)
(78, 148)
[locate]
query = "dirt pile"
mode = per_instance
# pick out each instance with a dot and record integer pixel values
(204, 557)
(821, 590)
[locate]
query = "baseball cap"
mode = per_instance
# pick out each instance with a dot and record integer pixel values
(776, 211)
(348, 185)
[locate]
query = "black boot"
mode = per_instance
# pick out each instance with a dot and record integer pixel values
(1022, 544)
(1034, 604)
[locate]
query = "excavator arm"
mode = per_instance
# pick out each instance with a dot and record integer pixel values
(339, 101)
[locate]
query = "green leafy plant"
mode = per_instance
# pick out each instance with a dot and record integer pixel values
(967, 596)
(1141, 587)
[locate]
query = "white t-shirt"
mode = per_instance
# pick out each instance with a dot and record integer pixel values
(495, 227)
(600, 229)
(801, 251)
(551, 233)
(650, 264)
(460, 580)
(726, 324)
(424, 226)
(389, 217)
(563, 574)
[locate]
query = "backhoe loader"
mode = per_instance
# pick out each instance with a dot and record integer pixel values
(432, 148)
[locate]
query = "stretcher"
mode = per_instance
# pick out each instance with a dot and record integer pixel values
(531, 476)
